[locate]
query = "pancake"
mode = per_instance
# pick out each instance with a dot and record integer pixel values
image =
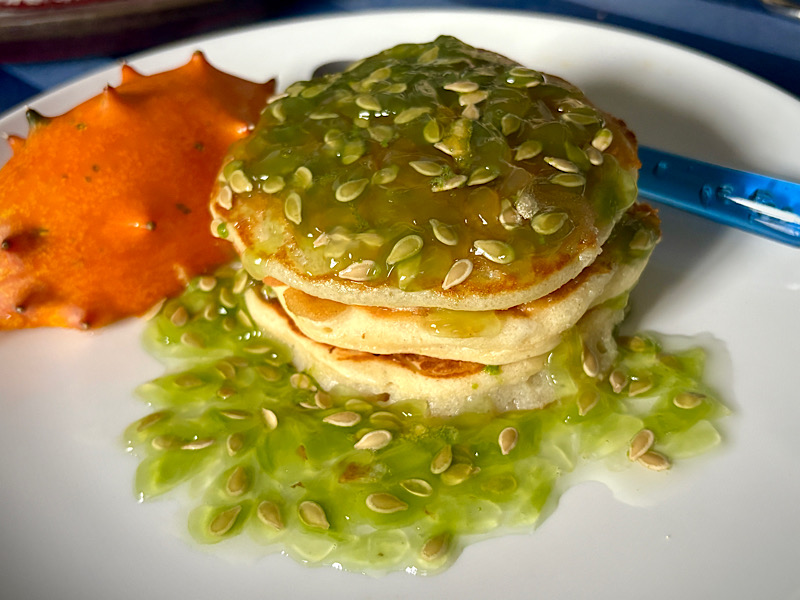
(449, 387)
(488, 337)
(430, 175)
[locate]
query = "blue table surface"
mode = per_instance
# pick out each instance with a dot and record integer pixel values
(740, 32)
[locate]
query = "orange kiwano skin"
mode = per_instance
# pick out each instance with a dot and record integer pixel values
(104, 210)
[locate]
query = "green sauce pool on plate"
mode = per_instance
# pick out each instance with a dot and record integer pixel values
(334, 478)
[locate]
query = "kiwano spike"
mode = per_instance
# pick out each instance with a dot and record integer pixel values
(36, 119)
(25, 240)
(129, 73)
(110, 95)
(199, 59)
(15, 142)
(83, 264)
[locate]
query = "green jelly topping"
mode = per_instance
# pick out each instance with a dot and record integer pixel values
(335, 478)
(426, 136)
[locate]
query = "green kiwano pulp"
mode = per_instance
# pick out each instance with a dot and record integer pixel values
(420, 156)
(268, 455)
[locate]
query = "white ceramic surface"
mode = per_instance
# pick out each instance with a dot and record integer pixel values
(725, 526)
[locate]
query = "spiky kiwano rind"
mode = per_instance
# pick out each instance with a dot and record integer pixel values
(103, 210)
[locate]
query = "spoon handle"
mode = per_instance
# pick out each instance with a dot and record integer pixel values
(755, 203)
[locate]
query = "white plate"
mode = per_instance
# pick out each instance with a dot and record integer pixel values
(726, 525)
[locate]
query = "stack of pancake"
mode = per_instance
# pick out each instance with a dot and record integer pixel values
(431, 221)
